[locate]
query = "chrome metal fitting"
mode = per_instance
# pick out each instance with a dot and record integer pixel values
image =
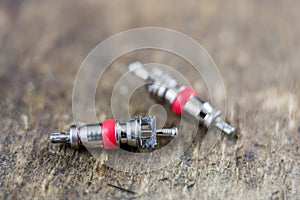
(182, 98)
(138, 132)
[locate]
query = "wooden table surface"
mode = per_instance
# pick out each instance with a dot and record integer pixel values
(255, 44)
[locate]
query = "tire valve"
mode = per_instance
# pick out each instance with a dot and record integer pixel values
(138, 132)
(181, 98)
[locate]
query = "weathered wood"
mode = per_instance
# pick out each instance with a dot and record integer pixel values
(254, 43)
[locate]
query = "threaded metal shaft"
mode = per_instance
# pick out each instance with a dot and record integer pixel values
(167, 132)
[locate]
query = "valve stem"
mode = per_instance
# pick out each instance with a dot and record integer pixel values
(138, 132)
(182, 98)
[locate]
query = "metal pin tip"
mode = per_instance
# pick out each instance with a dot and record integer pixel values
(134, 65)
(224, 126)
(228, 129)
(138, 69)
(62, 137)
(172, 132)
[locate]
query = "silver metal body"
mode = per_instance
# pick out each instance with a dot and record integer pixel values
(138, 132)
(165, 88)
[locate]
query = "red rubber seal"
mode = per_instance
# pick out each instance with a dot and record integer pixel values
(109, 134)
(181, 99)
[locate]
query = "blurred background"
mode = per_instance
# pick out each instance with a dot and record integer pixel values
(255, 44)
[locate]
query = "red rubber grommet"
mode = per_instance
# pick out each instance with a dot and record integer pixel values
(181, 99)
(109, 134)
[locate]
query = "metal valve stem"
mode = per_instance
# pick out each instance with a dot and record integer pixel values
(163, 86)
(138, 132)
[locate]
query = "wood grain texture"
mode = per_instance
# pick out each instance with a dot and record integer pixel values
(255, 45)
